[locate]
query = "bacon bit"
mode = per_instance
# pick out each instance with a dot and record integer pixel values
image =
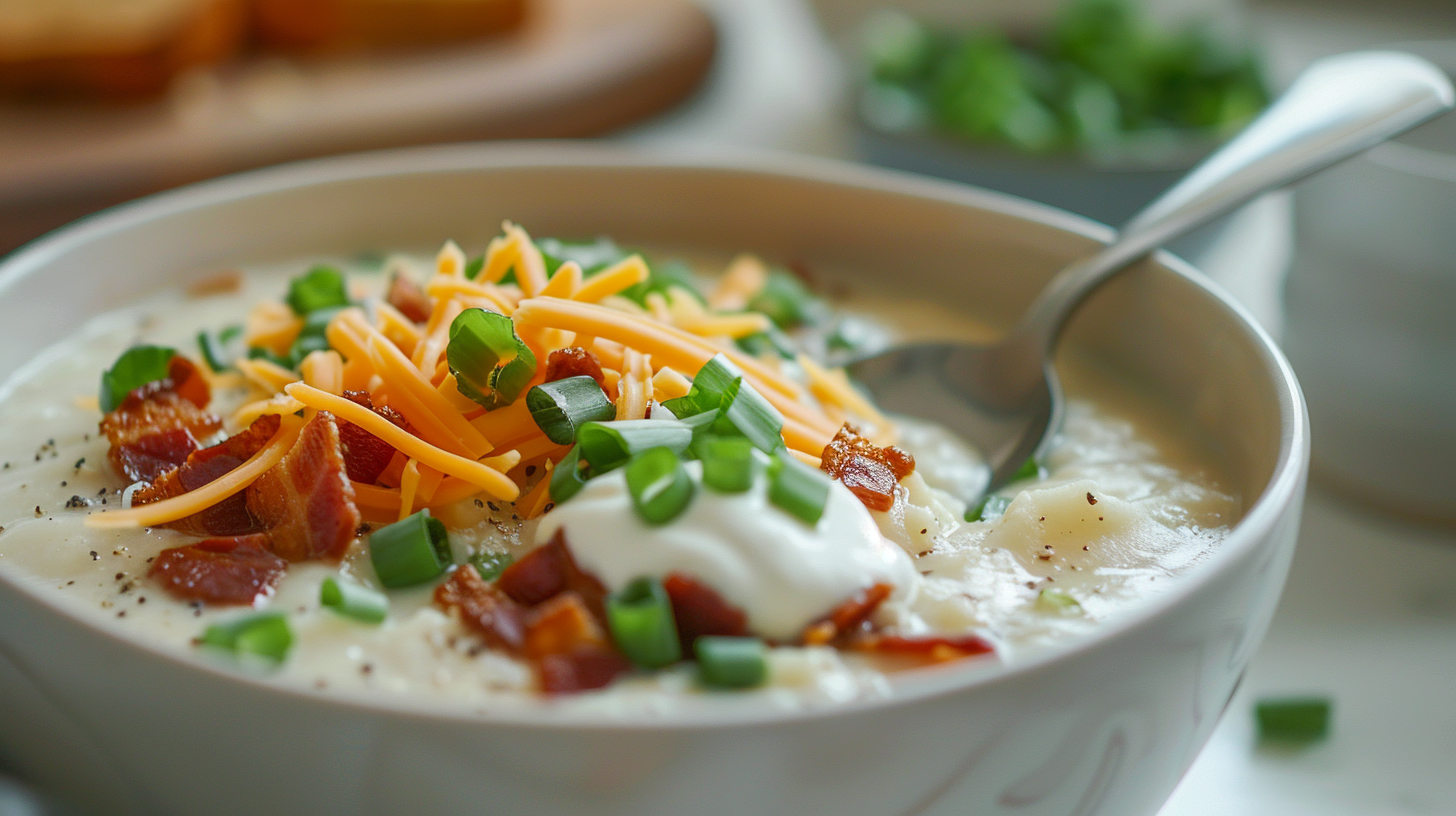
(229, 517)
(411, 300)
(849, 616)
(1091, 499)
(219, 570)
(158, 425)
(933, 648)
(574, 361)
(306, 501)
(548, 571)
(483, 609)
(220, 283)
(699, 610)
(561, 626)
(869, 471)
(365, 455)
(581, 671)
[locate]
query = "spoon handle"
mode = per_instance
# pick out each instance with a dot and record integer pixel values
(1339, 107)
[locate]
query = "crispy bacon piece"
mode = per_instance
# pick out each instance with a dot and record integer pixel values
(574, 361)
(548, 571)
(229, 517)
(869, 471)
(849, 616)
(156, 426)
(699, 610)
(219, 570)
(563, 626)
(485, 610)
(366, 455)
(306, 502)
(935, 648)
(580, 671)
(411, 300)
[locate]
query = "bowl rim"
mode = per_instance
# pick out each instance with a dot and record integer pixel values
(1259, 521)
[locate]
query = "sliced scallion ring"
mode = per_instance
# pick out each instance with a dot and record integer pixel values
(568, 478)
(264, 635)
(640, 618)
(353, 601)
(728, 463)
(490, 564)
(321, 287)
(744, 411)
(490, 363)
(798, 489)
(608, 445)
(411, 551)
(560, 408)
(731, 662)
(660, 486)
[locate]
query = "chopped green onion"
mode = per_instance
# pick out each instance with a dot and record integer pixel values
(659, 485)
(662, 278)
(800, 490)
(411, 551)
(568, 478)
(608, 445)
(473, 267)
(1028, 470)
(1297, 720)
(727, 463)
(731, 662)
(490, 363)
(713, 380)
(353, 601)
(319, 288)
(490, 564)
(786, 301)
(640, 617)
(265, 635)
(1058, 602)
(989, 508)
(745, 411)
(136, 367)
(561, 407)
(591, 256)
(773, 342)
(215, 351)
(230, 333)
(258, 353)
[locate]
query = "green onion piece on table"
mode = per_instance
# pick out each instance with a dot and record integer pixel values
(608, 445)
(560, 408)
(264, 635)
(136, 367)
(659, 485)
(1293, 720)
(490, 363)
(640, 617)
(491, 564)
(800, 490)
(728, 465)
(568, 478)
(411, 551)
(353, 601)
(745, 411)
(321, 287)
(786, 301)
(731, 662)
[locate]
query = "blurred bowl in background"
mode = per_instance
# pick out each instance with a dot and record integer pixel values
(1371, 328)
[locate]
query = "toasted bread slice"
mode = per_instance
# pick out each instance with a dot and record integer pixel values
(109, 48)
(351, 25)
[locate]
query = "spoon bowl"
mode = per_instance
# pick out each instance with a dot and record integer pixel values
(1004, 398)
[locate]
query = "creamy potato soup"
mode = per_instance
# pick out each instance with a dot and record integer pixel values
(568, 472)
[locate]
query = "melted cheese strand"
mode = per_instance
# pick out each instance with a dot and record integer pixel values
(491, 481)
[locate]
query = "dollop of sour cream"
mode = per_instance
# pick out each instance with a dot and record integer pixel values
(783, 573)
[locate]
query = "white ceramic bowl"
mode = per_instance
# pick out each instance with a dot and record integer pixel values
(1102, 725)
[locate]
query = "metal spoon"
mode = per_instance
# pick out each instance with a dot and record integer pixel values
(1004, 398)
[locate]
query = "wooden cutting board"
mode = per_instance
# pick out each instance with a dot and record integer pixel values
(577, 68)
